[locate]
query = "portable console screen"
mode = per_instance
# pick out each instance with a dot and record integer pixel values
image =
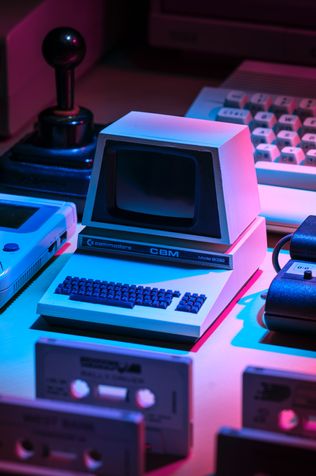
(17, 218)
(159, 187)
(14, 216)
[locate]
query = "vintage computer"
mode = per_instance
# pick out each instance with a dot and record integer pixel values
(171, 233)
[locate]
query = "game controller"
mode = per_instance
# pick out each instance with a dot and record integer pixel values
(55, 160)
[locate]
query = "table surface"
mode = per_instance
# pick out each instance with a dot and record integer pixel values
(236, 340)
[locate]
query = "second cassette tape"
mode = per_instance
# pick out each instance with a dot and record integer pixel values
(279, 401)
(158, 385)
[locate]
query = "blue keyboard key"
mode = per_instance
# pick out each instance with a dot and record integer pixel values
(99, 300)
(118, 294)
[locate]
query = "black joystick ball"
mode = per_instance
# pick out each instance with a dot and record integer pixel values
(64, 125)
(64, 49)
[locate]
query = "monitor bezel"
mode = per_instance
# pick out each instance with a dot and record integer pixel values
(152, 232)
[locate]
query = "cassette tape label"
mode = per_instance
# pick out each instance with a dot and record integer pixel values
(272, 392)
(305, 397)
(159, 385)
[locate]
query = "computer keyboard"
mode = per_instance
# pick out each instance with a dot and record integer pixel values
(283, 133)
(127, 295)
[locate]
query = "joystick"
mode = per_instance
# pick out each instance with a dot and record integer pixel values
(64, 125)
(55, 160)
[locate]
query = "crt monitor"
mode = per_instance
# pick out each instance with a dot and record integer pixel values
(172, 176)
(157, 187)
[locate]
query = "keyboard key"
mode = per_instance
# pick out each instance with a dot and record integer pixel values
(237, 99)
(259, 102)
(308, 142)
(262, 135)
(191, 303)
(100, 300)
(287, 139)
(289, 122)
(310, 158)
(292, 155)
(267, 152)
(286, 175)
(307, 107)
(115, 294)
(265, 119)
(283, 105)
(309, 125)
(295, 168)
(236, 116)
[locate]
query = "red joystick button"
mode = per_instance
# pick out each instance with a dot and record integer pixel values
(11, 247)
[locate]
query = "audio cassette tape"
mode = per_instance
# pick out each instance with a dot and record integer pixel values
(47, 438)
(280, 401)
(156, 384)
(250, 452)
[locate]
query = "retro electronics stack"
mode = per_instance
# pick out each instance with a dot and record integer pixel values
(32, 230)
(172, 208)
(276, 101)
(276, 31)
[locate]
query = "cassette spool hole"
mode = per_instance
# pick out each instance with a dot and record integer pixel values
(24, 449)
(79, 389)
(145, 398)
(287, 419)
(92, 459)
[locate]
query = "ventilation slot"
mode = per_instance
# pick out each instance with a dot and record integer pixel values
(27, 275)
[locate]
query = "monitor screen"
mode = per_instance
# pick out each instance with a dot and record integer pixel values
(150, 186)
(155, 183)
(14, 216)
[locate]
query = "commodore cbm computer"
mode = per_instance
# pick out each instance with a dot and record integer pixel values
(171, 233)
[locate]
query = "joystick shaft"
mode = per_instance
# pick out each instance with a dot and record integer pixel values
(64, 49)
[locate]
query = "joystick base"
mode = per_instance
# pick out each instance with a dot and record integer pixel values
(28, 169)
